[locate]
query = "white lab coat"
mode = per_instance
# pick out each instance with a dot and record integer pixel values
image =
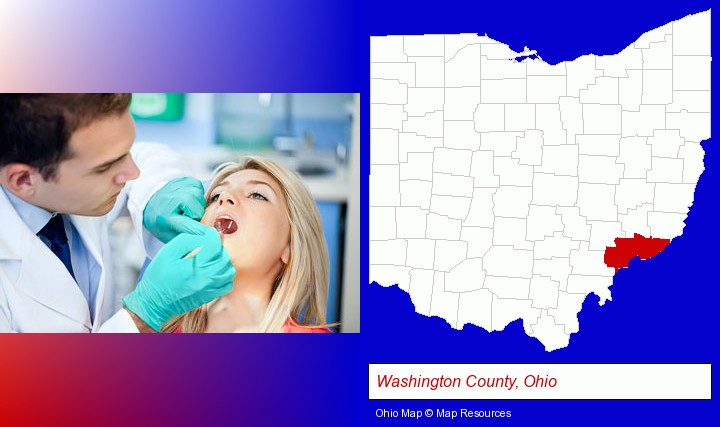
(37, 293)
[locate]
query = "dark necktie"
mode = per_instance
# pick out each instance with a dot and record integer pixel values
(54, 231)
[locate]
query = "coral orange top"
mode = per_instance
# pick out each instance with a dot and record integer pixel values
(291, 326)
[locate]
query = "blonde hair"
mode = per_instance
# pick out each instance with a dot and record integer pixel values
(300, 291)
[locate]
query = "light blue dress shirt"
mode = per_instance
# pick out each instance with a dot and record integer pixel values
(87, 270)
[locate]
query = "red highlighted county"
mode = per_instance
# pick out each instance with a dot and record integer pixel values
(625, 249)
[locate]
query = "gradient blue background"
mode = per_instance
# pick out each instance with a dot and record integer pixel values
(663, 310)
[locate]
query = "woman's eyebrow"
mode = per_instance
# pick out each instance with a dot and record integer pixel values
(254, 181)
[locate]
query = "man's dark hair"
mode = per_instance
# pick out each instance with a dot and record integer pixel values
(35, 128)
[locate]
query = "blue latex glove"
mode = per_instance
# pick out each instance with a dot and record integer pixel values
(173, 285)
(175, 208)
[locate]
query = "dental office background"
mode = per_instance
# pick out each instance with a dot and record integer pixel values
(317, 135)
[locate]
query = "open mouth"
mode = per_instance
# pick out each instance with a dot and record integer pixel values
(225, 225)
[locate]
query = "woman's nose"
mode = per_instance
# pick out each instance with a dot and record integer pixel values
(226, 198)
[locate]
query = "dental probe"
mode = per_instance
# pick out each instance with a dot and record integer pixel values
(192, 253)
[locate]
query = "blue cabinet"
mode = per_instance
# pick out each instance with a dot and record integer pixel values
(331, 214)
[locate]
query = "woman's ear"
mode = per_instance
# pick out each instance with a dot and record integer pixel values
(285, 257)
(20, 178)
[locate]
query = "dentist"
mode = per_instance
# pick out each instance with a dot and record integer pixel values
(68, 168)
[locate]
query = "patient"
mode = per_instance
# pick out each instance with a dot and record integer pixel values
(271, 228)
